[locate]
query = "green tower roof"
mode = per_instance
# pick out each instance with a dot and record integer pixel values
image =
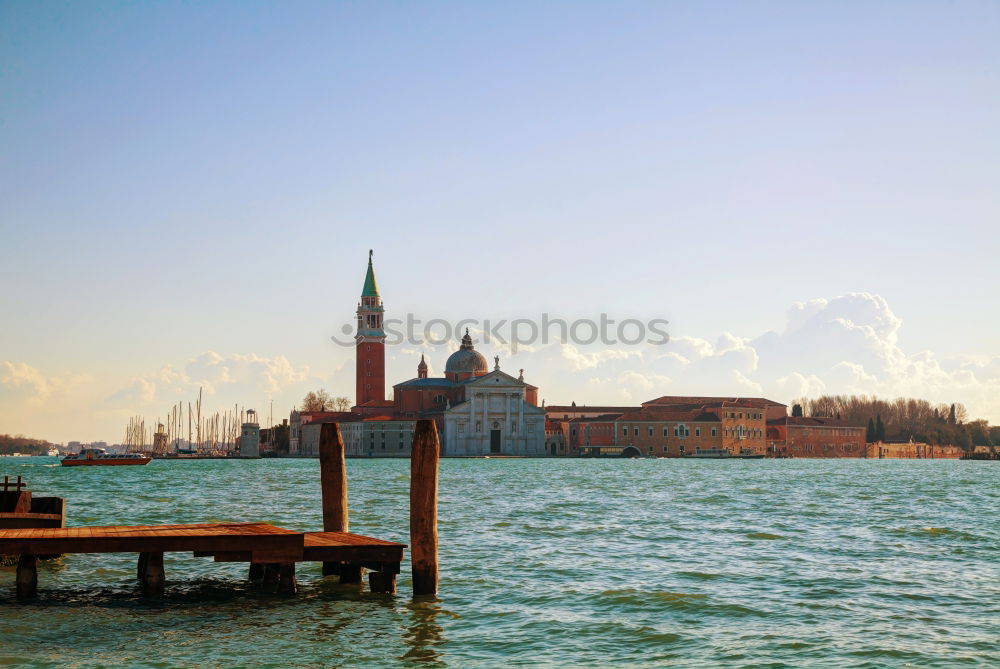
(371, 288)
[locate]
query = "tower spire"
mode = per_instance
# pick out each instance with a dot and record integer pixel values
(371, 287)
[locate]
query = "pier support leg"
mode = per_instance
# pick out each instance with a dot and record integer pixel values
(256, 572)
(423, 507)
(270, 578)
(381, 581)
(351, 573)
(140, 567)
(27, 577)
(152, 573)
(286, 578)
(333, 485)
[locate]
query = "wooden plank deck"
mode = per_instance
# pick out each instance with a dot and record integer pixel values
(347, 547)
(227, 542)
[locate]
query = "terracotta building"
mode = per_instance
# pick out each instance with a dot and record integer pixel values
(812, 437)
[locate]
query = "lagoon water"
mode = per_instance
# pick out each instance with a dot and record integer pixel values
(780, 563)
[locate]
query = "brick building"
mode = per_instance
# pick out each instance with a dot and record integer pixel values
(815, 437)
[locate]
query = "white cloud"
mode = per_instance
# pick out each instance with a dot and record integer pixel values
(249, 374)
(20, 381)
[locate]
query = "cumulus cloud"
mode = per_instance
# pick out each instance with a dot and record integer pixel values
(21, 381)
(250, 374)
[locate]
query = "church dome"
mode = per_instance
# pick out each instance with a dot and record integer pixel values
(466, 360)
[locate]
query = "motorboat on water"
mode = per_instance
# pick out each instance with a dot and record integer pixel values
(53, 453)
(721, 453)
(100, 456)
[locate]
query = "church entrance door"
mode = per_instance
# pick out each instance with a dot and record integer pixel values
(494, 441)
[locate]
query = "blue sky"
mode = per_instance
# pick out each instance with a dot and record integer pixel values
(185, 178)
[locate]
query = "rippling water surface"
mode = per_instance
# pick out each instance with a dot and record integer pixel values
(788, 563)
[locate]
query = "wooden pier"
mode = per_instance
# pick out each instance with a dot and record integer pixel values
(271, 552)
(264, 547)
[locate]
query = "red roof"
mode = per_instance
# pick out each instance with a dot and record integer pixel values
(671, 414)
(673, 400)
(307, 417)
(385, 418)
(606, 418)
(813, 421)
(378, 403)
(333, 417)
(556, 408)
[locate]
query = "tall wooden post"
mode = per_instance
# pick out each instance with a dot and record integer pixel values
(423, 507)
(333, 482)
(27, 577)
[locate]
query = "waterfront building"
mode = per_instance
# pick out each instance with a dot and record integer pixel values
(669, 433)
(586, 433)
(816, 437)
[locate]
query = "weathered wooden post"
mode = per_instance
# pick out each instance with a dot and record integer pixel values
(333, 482)
(271, 577)
(140, 567)
(423, 507)
(27, 577)
(152, 577)
(286, 578)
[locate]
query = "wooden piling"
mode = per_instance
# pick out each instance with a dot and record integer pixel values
(350, 573)
(152, 572)
(333, 484)
(423, 507)
(27, 577)
(270, 577)
(382, 581)
(286, 578)
(256, 572)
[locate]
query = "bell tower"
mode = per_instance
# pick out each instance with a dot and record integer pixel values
(370, 338)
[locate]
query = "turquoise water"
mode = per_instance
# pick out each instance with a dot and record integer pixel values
(782, 563)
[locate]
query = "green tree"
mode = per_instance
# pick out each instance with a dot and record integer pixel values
(879, 428)
(870, 433)
(796, 410)
(951, 416)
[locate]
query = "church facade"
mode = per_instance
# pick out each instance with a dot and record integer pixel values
(495, 418)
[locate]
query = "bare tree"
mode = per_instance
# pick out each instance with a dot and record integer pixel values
(341, 403)
(317, 401)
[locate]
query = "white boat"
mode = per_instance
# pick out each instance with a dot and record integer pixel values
(100, 456)
(53, 453)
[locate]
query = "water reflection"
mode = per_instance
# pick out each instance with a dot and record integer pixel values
(424, 635)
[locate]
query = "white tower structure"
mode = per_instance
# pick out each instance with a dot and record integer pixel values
(250, 438)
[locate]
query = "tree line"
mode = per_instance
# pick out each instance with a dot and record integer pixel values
(903, 419)
(18, 443)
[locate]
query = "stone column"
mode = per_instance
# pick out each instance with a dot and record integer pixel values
(512, 439)
(484, 443)
(520, 422)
